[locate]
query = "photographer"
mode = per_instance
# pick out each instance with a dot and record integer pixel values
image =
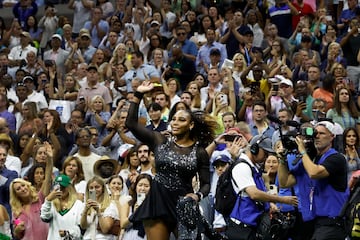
(247, 180)
(321, 182)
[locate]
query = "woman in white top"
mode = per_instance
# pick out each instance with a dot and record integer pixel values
(72, 168)
(100, 213)
(62, 210)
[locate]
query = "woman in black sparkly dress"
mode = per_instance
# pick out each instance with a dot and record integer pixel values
(177, 161)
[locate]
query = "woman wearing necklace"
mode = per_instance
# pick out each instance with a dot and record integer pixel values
(62, 210)
(178, 159)
(344, 112)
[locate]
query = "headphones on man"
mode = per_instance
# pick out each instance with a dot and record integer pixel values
(254, 148)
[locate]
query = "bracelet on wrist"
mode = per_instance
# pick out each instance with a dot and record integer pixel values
(215, 142)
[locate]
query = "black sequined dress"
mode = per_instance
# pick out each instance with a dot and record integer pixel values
(175, 168)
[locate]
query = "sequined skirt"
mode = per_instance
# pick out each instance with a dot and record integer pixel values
(160, 203)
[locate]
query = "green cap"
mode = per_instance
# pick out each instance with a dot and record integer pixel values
(63, 180)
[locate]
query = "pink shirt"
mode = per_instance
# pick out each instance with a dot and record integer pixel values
(35, 229)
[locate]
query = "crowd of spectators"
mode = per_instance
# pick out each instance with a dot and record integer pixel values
(66, 86)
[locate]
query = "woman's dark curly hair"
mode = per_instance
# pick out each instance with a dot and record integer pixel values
(204, 127)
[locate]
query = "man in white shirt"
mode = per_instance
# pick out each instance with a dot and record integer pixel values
(20, 52)
(32, 95)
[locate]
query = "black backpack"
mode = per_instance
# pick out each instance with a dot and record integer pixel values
(225, 196)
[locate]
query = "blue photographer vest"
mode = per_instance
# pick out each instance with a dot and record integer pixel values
(246, 210)
(327, 201)
(303, 187)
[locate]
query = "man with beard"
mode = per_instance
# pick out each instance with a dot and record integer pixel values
(143, 154)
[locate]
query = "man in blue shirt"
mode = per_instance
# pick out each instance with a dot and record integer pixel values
(204, 51)
(188, 47)
(140, 71)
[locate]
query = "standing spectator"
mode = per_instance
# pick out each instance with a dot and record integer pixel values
(49, 23)
(281, 16)
(347, 15)
(23, 9)
(202, 58)
(260, 125)
(304, 9)
(82, 12)
(188, 47)
(207, 93)
(97, 27)
(86, 156)
(181, 68)
(24, 196)
(234, 34)
(138, 191)
(351, 150)
(62, 210)
(350, 44)
(140, 71)
(57, 54)
(87, 50)
(107, 8)
(93, 88)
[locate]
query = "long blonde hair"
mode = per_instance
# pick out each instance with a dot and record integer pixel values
(15, 202)
(72, 197)
(105, 199)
